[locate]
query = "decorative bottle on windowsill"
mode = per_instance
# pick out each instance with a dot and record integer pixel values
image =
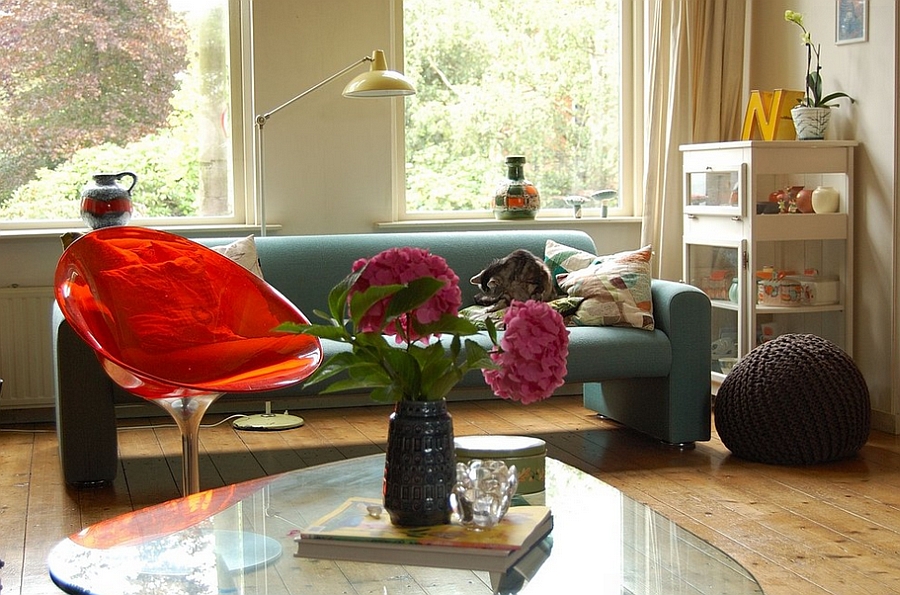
(516, 197)
(105, 203)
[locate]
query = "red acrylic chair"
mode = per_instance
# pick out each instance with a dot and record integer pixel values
(178, 324)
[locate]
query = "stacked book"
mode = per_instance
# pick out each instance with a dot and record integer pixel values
(356, 531)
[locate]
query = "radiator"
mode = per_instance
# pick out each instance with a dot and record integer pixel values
(25, 363)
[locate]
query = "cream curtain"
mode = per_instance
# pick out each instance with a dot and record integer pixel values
(691, 84)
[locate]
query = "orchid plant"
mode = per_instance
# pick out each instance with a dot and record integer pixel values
(813, 96)
(392, 309)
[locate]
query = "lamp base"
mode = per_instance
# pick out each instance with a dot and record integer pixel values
(268, 421)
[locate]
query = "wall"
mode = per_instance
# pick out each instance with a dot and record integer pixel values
(868, 72)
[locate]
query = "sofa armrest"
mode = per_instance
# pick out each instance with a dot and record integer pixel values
(683, 313)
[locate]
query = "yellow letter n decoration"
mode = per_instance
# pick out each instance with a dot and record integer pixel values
(769, 115)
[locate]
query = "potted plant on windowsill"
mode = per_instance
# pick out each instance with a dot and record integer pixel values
(813, 112)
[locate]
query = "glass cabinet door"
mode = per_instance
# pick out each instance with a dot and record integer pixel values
(718, 191)
(717, 270)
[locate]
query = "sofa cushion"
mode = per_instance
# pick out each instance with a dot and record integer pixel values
(242, 251)
(616, 287)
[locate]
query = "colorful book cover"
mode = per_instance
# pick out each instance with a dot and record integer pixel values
(352, 521)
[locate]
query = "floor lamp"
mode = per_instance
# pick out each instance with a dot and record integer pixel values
(377, 82)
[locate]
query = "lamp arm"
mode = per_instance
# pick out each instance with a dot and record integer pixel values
(263, 118)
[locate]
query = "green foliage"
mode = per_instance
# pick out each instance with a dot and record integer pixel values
(495, 78)
(391, 372)
(166, 185)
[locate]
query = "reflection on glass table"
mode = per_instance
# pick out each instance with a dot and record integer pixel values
(601, 540)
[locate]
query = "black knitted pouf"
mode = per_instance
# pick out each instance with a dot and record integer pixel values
(794, 400)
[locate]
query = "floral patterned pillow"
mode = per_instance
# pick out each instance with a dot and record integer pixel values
(615, 287)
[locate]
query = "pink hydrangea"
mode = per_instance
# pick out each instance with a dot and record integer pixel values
(532, 354)
(402, 265)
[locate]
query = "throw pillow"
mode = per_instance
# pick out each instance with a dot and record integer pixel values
(243, 252)
(615, 287)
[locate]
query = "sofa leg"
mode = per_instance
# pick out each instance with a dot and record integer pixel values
(680, 445)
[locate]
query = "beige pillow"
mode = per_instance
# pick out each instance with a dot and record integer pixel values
(615, 287)
(243, 252)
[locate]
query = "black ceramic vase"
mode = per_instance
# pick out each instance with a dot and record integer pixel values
(420, 466)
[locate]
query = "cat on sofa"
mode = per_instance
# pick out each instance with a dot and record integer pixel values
(519, 276)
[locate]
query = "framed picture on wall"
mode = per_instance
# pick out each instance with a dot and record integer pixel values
(852, 21)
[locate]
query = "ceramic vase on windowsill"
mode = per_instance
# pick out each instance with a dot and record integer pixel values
(810, 122)
(104, 203)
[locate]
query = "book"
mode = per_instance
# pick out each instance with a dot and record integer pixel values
(350, 532)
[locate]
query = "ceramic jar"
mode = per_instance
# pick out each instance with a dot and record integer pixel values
(825, 199)
(104, 203)
(516, 197)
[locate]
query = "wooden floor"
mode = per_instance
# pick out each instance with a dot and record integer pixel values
(825, 529)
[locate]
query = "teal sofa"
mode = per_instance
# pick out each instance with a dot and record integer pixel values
(656, 382)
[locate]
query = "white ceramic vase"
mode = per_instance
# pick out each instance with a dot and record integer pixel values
(810, 122)
(826, 199)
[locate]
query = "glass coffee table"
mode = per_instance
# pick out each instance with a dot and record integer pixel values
(240, 539)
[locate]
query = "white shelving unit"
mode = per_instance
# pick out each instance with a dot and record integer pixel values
(726, 239)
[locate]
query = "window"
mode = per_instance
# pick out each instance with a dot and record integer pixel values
(116, 85)
(539, 78)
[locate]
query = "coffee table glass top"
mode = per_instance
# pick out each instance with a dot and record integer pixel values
(240, 539)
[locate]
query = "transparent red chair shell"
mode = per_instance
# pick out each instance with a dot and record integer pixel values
(179, 324)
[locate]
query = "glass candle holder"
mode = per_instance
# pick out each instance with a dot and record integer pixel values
(482, 493)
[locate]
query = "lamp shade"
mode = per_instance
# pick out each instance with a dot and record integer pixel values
(379, 81)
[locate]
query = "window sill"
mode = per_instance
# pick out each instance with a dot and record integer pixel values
(463, 224)
(224, 230)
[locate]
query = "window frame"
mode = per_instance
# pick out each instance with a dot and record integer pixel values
(243, 209)
(630, 199)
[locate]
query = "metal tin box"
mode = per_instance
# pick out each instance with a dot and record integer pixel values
(820, 289)
(526, 453)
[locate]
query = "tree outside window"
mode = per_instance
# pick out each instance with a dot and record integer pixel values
(112, 85)
(539, 78)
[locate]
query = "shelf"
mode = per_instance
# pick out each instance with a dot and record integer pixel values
(800, 226)
(724, 304)
(724, 237)
(763, 309)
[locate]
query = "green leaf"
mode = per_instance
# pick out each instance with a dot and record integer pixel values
(325, 316)
(491, 330)
(447, 324)
(291, 327)
(386, 394)
(323, 331)
(335, 364)
(442, 385)
(337, 297)
(414, 294)
(349, 385)
(362, 301)
(478, 357)
(405, 371)
(829, 98)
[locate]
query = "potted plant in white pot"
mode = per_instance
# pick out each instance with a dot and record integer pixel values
(813, 112)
